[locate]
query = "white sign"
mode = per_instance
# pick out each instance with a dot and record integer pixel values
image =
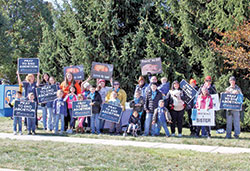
(10, 92)
(203, 117)
(216, 101)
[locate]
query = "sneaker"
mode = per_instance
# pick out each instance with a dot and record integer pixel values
(29, 133)
(33, 133)
(135, 134)
(124, 134)
(236, 137)
(70, 131)
(20, 133)
(173, 135)
(60, 133)
(179, 135)
(15, 133)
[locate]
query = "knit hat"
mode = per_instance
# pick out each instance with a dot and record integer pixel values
(208, 78)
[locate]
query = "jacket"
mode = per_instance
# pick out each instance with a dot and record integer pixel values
(121, 95)
(134, 120)
(60, 107)
(96, 108)
(151, 104)
(204, 102)
(137, 108)
(167, 115)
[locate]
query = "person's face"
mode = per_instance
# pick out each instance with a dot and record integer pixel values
(161, 104)
(135, 114)
(232, 83)
(114, 95)
(204, 91)
(102, 84)
(163, 81)
(46, 77)
(176, 86)
(51, 80)
(69, 77)
(116, 85)
(92, 89)
(137, 95)
(32, 97)
(60, 95)
(153, 87)
(32, 78)
(18, 95)
(208, 82)
(80, 98)
(153, 79)
(72, 90)
(141, 82)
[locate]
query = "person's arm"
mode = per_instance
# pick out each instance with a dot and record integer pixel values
(111, 81)
(38, 79)
(155, 116)
(54, 106)
(124, 99)
(19, 79)
(146, 104)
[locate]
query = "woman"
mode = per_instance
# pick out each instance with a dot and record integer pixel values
(44, 82)
(175, 103)
(65, 86)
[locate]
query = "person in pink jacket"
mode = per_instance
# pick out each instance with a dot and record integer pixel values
(204, 101)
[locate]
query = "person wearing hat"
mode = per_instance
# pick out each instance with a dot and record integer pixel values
(189, 108)
(233, 114)
(212, 90)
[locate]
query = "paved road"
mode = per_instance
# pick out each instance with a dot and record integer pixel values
(199, 148)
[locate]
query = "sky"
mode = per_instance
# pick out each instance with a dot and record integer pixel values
(59, 1)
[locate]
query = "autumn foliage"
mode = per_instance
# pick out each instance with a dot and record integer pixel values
(235, 46)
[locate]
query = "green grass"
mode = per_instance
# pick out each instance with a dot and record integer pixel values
(26, 155)
(216, 140)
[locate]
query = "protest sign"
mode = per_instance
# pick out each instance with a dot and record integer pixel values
(24, 109)
(152, 66)
(111, 113)
(189, 91)
(77, 71)
(46, 93)
(102, 71)
(81, 108)
(216, 101)
(231, 101)
(203, 117)
(28, 65)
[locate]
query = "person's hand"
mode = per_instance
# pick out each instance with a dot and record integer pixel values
(7, 99)
(147, 111)
(123, 108)
(91, 104)
(169, 121)
(38, 74)
(111, 80)
(89, 78)
(17, 72)
(153, 122)
(235, 92)
(137, 104)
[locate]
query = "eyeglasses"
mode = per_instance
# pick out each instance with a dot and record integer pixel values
(116, 84)
(208, 81)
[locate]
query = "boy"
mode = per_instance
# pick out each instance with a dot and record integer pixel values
(134, 124)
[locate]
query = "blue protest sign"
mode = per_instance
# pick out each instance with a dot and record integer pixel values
(111, 113)
(28, 65)
(189, 91)
(77, 71)
(24, 109)
(46, 93)
(81, 108)
(231, 101)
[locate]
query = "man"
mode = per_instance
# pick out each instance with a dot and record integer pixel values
(233, 89)
(151, 103)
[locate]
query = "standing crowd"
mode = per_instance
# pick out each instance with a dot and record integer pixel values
(153, 106)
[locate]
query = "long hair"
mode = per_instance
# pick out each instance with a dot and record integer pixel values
(66, 80)
(172, 86)
(43, 80)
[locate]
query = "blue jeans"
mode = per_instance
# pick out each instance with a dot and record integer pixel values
(157, 128)
(115, 127)
(102, 123)
(72, 120)
(31, 124)
(44, 110)
(233, 115)
(148, 126)
(17, 120)
(58, 116)
(95, 123)
(51, 120)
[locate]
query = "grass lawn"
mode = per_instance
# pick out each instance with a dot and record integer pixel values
(216, 140)
(26, 155)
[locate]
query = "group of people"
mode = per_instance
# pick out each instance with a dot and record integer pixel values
(153, 106)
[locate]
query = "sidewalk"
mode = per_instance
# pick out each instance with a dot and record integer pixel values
(198, 148)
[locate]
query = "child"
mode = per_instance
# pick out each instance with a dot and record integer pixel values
(161, 115)
(96, 108)
(31, 121)
(114, 101)
(204, 101)
(138, 103)
(85, 86)
(134, 124)
(69, 99)
(60, 110)
(16, 120)
(52, 116)
(79, 128)
(164, 87)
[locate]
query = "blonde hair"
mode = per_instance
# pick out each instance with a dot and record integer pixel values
(58, 92)
(28, 77)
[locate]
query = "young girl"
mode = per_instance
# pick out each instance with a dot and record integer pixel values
(96, 108)
(204, 101)
(69, 99)
(175, 100)
(52, 116)
(44, 82)
(31, 122)
(114, 101)
(80, 119)
(160, 118)
(85, 92)
(60, 110)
